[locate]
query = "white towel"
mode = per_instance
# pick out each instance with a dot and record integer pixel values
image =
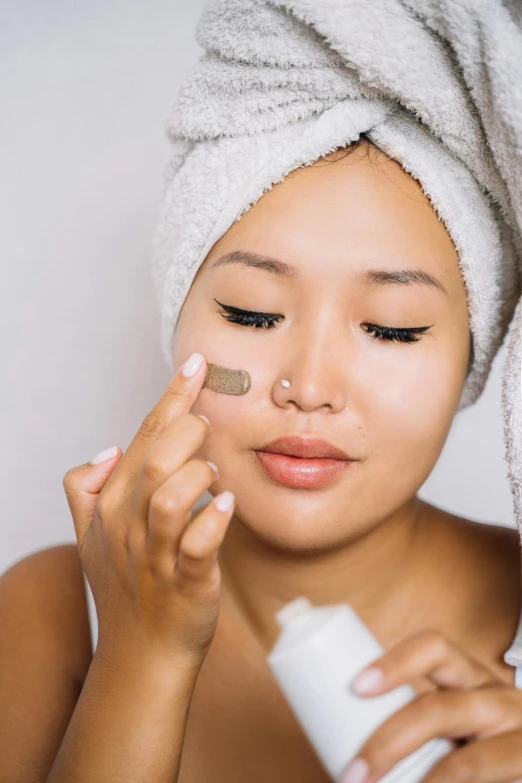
(436, 84)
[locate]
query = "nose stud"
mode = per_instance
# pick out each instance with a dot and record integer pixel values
(286, 384)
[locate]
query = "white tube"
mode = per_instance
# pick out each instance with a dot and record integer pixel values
(318, 653)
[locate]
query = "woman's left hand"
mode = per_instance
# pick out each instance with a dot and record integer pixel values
(471, 704)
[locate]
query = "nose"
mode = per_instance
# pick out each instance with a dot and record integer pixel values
(317, 374)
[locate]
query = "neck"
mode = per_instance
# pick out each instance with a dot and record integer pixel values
(381, 574)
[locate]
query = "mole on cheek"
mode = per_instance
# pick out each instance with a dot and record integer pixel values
(221, 379)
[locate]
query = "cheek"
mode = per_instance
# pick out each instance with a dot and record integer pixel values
(236, 419)
(233, 417)
(235, 430)
(228, 413)
(408, 417)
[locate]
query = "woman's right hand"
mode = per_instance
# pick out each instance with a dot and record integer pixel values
(152, 569)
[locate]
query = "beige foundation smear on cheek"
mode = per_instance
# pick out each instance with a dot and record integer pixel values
(221, 379)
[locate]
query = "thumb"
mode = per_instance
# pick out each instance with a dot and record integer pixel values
(83, 485)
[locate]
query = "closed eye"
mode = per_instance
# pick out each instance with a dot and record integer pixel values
(269, 320)
(249, 317)
(397, 334)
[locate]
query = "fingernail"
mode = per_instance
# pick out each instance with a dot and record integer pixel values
(202, 417)
(104, 455)
(192, 365)
(367, 680)
(214, 467)
(355, 772)
(224, 501)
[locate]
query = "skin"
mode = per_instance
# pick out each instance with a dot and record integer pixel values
(368, 539)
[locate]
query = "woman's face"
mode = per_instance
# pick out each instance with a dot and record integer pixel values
(388, 404)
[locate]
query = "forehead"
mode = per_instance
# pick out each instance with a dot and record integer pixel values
(359, 212)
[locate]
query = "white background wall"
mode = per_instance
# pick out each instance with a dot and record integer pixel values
(85, 90)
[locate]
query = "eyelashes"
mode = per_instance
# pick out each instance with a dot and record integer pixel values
(392, 333)
(269, 320)
(249, 318)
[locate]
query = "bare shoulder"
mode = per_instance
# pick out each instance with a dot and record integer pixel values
(493, 554)
(42, 596)
(486, 555)
(505, 547)
(494, 539)
(507, 537)
(45, 655)
(501, 541)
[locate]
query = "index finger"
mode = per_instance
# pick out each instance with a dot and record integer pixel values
(428, 653)
(178, 398)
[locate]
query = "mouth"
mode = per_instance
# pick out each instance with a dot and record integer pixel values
(303, 462)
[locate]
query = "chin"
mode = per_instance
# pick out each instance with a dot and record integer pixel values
(299, 526)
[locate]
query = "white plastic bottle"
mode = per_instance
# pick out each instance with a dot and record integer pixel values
(319, 652)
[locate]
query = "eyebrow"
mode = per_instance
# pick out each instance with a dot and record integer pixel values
(381, 277)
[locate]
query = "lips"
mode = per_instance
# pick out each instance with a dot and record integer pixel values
(297, 446)
(303, 462)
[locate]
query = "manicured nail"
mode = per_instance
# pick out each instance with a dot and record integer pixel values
(356, 772)
(214, 467)
(192, 365)
(224, 501)
(104, 455)
(202, 417)
(367, 680)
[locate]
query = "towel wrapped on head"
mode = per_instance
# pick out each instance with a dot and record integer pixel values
(435, 84)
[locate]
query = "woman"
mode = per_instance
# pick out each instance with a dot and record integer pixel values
(364, 537)
(355, 299)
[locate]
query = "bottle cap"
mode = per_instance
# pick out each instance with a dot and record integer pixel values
(293, 609)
